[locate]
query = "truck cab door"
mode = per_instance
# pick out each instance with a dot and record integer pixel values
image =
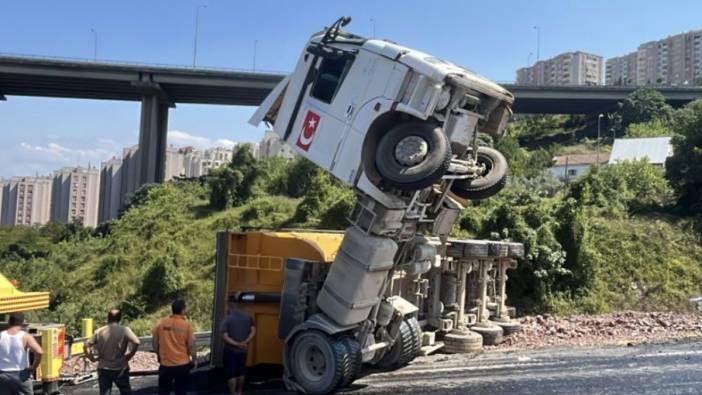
(320, 128)
(268, 110)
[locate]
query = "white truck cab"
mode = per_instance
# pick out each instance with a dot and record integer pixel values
(379, 115)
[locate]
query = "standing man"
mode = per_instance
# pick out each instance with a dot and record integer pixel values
(174, 345)
(237, 330)
(15, 371)
(112, 346)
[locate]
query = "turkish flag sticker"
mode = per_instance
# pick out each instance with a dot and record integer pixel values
(309, 127)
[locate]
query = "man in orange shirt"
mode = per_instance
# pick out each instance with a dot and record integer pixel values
(174, 345)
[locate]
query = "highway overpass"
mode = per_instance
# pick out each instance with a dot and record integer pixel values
(159, 87)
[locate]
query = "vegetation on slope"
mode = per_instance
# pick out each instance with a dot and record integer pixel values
(624, 236)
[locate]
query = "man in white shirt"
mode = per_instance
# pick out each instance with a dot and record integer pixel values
(15, 371)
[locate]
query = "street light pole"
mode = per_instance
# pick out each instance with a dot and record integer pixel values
(373, 22)
(599, 118)
(538, 42)
(197, 28)
(95, 43)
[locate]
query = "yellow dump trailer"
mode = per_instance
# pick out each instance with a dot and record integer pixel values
(251, 271)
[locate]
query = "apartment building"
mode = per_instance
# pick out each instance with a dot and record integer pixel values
(26, 201)
(75, 195)
(570, 68)
(272, 145)
(199, 163)
(675, 60)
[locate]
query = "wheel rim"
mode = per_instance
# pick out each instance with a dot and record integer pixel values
(411, 150)
(312, 362)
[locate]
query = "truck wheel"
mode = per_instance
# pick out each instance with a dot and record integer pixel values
(317, 362)
(492, 334)
(461, 342)
(405, 347)
(413, 155)
(488, 184)
(352, 362)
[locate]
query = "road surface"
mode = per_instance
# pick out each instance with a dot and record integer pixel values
(671, 368)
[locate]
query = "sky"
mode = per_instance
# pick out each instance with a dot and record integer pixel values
(493, 38)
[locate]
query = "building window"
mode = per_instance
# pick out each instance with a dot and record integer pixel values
(572, 172)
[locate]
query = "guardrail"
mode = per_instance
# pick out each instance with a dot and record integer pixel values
(202, 339)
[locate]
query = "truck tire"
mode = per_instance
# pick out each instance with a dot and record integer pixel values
(509, 327)
(492, 334)
(317, 362)
(413, 155)
(462, 342)
(405, 348)
(490, 183)
(352, 362)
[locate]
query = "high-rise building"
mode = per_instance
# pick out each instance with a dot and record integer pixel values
(75, 195)
(199, 163)
(118, 181)
(110, 189)
(175, 163)
(570, 68)
(272, 145)
(622, 70)
(26, 201)
(2, 202)
(130, 167)
(675, 60)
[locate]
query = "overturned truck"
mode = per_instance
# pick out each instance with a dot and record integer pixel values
(401, 128)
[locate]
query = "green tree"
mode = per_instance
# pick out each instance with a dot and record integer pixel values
(644, 105)
(234, 184)
(654, 128)
(684, 167)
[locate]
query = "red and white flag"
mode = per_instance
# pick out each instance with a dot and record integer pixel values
(309, 127)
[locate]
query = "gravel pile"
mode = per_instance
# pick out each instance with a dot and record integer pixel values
(615, 328)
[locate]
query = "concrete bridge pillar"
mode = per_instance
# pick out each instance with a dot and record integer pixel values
(151, 155)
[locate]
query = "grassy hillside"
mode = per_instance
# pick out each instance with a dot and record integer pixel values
(619, 238)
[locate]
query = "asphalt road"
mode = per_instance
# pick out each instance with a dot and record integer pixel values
(673, 368)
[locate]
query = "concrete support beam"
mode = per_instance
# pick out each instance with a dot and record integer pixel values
(151, 155)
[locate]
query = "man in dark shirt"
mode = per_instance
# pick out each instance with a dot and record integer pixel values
(237, 330)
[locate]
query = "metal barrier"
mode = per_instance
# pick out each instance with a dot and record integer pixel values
(202, 339)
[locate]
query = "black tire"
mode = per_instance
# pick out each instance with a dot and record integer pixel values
(411, 176)
(462, 342)
(490, 183)
(492, 334)
(417, 336)
(317, 362)
(509, 327)
(353, 361)
(405, 348)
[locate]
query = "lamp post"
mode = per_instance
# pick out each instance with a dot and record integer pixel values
(197, 28)
(538, 42)
(95, 43)
(599, 118)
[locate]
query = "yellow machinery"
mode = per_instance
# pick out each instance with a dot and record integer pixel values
(253, 263)
(51, 336)
(12, 299)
